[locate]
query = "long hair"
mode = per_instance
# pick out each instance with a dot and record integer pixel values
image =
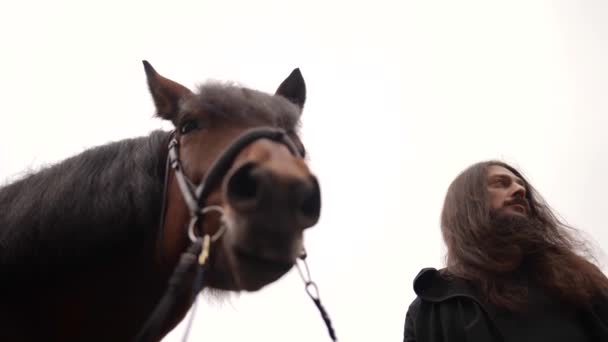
(552, 256)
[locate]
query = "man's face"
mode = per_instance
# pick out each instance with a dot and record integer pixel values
(507, 192)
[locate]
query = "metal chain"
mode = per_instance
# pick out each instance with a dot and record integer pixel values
(313, 292)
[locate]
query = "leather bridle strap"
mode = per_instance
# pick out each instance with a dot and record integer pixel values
(184, 183)
(223, 163)
(196, 196)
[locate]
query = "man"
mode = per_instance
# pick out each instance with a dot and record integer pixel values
(514, 271)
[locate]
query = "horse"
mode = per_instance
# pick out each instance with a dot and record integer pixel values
(88, 245)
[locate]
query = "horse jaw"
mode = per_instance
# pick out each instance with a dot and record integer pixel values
(247, 262)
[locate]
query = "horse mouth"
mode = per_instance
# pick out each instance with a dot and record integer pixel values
(258, 255)
(256, 262)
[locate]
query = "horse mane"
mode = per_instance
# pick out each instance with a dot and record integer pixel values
(96, 205)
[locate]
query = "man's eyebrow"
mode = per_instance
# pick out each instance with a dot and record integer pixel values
(498, 176)
(505, 176)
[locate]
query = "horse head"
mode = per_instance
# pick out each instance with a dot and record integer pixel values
(254, 193)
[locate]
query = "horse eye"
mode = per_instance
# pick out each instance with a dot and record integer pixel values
(188, 126)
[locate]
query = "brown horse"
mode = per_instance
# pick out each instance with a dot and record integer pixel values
(87, 246)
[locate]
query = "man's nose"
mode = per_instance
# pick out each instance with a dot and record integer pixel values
(518, 190)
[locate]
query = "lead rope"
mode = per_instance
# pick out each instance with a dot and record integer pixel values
(313, 292)
(159, 316)
(202, 260)
(190, 320)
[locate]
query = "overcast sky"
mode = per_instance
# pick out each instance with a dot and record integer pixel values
(402, 96)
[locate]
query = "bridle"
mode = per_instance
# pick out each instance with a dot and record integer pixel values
(194, 259)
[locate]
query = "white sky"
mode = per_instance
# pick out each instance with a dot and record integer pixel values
(402, 95)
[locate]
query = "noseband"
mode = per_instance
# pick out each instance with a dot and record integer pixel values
(194, 259)
(195, 196)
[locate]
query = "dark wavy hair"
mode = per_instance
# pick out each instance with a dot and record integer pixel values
(551, 254)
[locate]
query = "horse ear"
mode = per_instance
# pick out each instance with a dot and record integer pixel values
(293, 88)
(165, 93)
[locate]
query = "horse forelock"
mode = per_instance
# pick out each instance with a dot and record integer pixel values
(228, 101)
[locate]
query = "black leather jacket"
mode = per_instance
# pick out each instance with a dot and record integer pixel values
(447, 310)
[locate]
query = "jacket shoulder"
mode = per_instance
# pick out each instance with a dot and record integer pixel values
(414, 308)
(436, 285)
(409, 329)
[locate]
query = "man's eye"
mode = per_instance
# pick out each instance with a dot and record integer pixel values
(497, 182)
(188, 126)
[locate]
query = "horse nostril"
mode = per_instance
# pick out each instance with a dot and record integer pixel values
(310, 207)
(264, 195)
(243, 185)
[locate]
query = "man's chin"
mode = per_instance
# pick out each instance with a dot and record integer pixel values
(510, 217)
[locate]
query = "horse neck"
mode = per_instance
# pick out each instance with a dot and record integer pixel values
(95, 208)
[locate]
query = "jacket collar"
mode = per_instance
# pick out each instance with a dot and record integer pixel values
(433, 285)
